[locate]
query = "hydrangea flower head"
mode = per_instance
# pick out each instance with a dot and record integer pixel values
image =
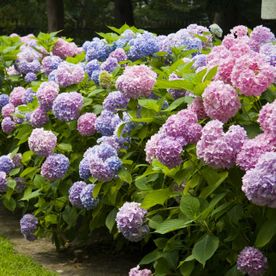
(8, 110)
(28, 225)
(86, 197)
(50, 63)
(30, 77)
(198, 108)
(109, 65)
(119, 54)
(74, 193)
(42, 142)
(67, 106)
(6, 164)
(68, 74)
(55, 166)
(107, 122)
(259, 36)
(29, 96)
(269, 50)
(114, 101)
(3, 182)
(65, 49)
(216, 30)
(220, 101)
(136, 271)
(136, 81)
(130, 221)
(17, 96)
(8, 125)
(87, 124)
(267, 118)
(259, 183)
(97, 49)
(4, 99)
(39, 117)
(252, 262)
(46, 94)
(91, 66)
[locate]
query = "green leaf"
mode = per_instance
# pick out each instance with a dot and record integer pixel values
(11, 183)
(172, 224)
(156, 197)
(205, 248)
(51, 219)
(175, 104)
(151, 257)
(110, 219)
(125, 175)
(27, 171)
(28, 195)
(266, 233)
(212, 205)
(70, 216)
(14, 172)
(211, 73)
(189, 206)
(174, 84)
(150, 104)
(9, 203)
(187, 268)
(65, 147)
(27, 156)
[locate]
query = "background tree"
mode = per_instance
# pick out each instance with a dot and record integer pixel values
(55, 13)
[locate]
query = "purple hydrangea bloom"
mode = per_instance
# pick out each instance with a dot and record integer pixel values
(269, 50)
(74, 193)
(84, 169)
(251, 261)
(39, 117)
(259, 183)
(67, 106)
(125, 37)
(7, 110)
(109, 140)
(42, 142)
(136, 271)
(200, 61)
(220, 101)
(55, 166)
(16, 159)
(107, 122)
(24, 66)
(260, 35)
(29, 96)
(130, 221)
(109, 65)
(46, 94)
(91, 66)
(219, 149)
(87, 124)
(6, 164)
(52, 75)
(68, 74)
(17, 96)
(8, 125)
(28, 225)
(30, 77)
(3, 182)
(252, 149)
(143, 45)
(50, 63)
(86, 197)
(4, 99)
(114, 101)
(119, 54)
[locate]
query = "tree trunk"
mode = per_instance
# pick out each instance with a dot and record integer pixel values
(124, 12)
(55, 11)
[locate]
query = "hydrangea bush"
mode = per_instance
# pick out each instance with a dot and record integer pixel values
(164, 141)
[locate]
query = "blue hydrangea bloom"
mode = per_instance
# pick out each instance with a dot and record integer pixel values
(97, 49)
(6, 164)
(114, 101)
(86, 197)
(91, 66)
(4, 99)
(107, 122)
(84, 170)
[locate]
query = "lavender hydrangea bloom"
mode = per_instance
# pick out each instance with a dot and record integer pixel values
(55, 166)
(86, 124)
(68, 74)
(95, 76)
(136, 271)
(29, 96)
(24, 66)
(259, 184)
(109, 140)
(67, 106)
(198, 108)
(17, 95)
(91, 66)
(130, 221)
(107, 122)
(46, 94)
(267, 119)
(86, 197)
(50, 63)
(74, 193)
(114, 101)
(42, 142)
(109, 65)
(200, 61)
(119, 54)
(252, 262)
(6, 164)
(4, 99)
(30, 77)
(269, 50)
(39, 117)
(7, 110)
(260, 35)
(8, 125)
(3, 182)
(84, 168)
(28, 225)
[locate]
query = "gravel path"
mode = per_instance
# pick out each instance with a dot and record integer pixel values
(43, 251)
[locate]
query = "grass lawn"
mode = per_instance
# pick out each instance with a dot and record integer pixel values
(13, 264)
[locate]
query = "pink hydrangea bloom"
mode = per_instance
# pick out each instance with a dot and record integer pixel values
(220, 101)
(239, 31)
(136, 81)
(65, 49)
(198, 108)
(46, 94)
(136, 271)
(252, 149)
(17, 95)
(219, 149)
(8, 110)
(151, 147)
(87, 124)
(68, 74)
(252, 74)
(42, 142)
(267, 119)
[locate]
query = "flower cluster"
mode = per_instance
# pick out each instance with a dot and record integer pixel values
(219, 149)
(17, 96)
(87, 124)
(28, 225)
(267, 119)
(65, 49)
(50, 63)
(136, 271)
(3, 182)
(6, 164)
(114, 101)
(46, 94)
(131, 222)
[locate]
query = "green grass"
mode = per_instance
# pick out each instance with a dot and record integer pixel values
(14, 264)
